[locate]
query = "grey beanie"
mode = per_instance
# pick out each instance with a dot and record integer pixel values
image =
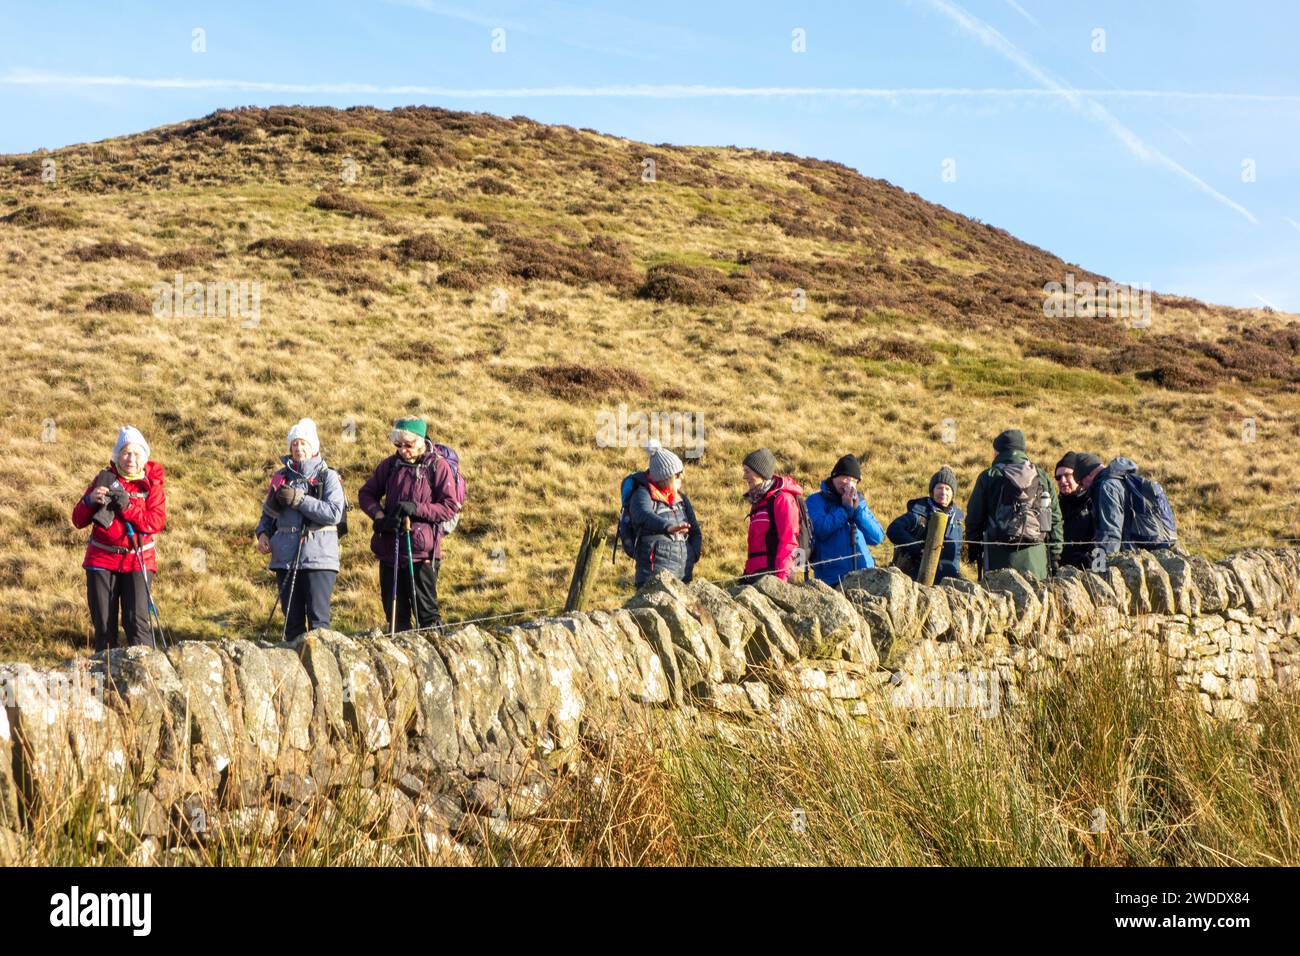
(663, 463)
(944, 476)
(762, 462)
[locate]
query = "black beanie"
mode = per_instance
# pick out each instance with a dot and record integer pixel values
(762, 462)
(1085, 464)
(848, 465)
(1069, 460)
(1013, 439)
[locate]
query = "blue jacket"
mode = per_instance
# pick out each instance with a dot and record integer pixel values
(841, 537)
(909, 530)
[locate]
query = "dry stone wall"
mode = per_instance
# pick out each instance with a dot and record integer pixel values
(434, 726)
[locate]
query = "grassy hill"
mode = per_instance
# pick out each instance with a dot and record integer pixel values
(512, 281)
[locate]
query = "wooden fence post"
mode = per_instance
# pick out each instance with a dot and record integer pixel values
(935, 532)
(586, 566)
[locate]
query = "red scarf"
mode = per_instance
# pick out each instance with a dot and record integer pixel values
(667, 495)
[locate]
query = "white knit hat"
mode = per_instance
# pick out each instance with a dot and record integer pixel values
(129, 435)
(306, 430)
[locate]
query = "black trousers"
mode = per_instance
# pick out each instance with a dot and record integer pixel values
(426, 594)
(309, 600)
(107, 593)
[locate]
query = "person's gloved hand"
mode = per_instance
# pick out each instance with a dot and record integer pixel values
(406, 509)
(118, 497)
(1053, 565)
(388, 523)
(288, 496)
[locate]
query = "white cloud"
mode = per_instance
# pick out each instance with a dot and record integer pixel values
(1023, 12)
(1084, 102)
(643, 90)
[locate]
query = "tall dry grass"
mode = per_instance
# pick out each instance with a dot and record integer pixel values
(1112, 766)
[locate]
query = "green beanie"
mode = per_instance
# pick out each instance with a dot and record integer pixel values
(416, 426)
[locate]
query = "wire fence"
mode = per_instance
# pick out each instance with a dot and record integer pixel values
(722, 582)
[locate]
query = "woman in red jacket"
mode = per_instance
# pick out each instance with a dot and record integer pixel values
(773, 518)
(126, 504)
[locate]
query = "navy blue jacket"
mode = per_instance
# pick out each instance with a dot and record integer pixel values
(1111, 511)
(656, 549)
(908, 530)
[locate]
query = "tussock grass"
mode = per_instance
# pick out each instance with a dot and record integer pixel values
(1112, 766)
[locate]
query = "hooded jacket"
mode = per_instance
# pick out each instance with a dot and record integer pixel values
(841, 537)
(1110, 508)
(318, 513)
(111, 548)
(774, 528)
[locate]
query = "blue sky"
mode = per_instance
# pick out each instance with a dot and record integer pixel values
(1163, 151)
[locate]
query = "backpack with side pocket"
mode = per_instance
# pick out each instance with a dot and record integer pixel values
(448, 454)
(1148, 517)
(1023, 512)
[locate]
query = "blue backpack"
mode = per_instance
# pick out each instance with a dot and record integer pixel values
(627, 535)
(1148, 518)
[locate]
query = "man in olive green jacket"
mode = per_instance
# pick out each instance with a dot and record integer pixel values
(1000, 534)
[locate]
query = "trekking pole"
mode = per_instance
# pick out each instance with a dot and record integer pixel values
(279, 594)
(397, 551)
(154, 616)
(293, 578)
(410, 561)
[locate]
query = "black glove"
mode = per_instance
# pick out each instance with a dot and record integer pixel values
(406, 509)
(1053, 564)
(388, 523)
(288, 496)
(118, 497)
(103, 517)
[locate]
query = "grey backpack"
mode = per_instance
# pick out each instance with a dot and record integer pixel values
(1023, 513)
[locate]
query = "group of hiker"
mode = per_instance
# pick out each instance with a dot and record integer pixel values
(1015, 517)
(413, 499)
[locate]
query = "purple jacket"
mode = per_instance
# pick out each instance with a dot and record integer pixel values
(429, 483)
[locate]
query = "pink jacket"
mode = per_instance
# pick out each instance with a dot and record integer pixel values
(774, 528)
